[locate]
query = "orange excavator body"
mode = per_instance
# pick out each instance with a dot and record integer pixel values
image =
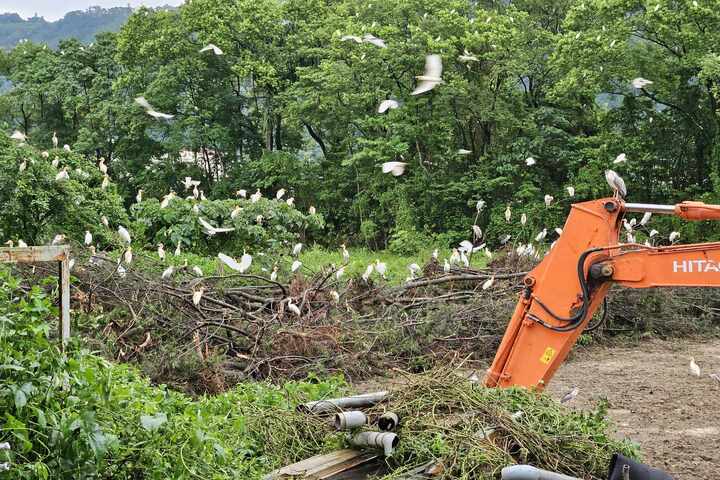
(564, 290)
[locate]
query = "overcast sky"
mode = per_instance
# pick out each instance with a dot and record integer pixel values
(54, 9)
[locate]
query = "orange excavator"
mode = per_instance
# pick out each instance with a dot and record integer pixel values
(562, 293)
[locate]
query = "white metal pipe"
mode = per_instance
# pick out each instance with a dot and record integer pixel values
(527, 472)
(650, 207)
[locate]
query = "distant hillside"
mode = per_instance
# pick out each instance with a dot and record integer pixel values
(83, 25)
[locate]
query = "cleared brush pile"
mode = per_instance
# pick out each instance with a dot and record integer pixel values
(463, 430)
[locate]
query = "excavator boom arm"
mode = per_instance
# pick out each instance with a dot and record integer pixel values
(561, 293)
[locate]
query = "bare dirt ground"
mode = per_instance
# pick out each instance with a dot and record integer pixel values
(654, 400)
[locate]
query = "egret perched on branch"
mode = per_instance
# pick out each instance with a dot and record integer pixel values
(488, 283)
(674, 236)
(571, 191)
(395, 168)
(197, 271)
(197, 295)
(124, 234)
(168, 272)
(646, 218)
(293, 308)
(616, 183)
(431, 77)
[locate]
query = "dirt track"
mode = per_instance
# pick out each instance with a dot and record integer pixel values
(655, 401)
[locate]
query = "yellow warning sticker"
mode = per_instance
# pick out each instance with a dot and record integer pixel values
(548, 355)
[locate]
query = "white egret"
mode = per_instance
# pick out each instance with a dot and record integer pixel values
(255, 196)
(530, 161)
(373, 40)
(368, 272)
(571, 191)
(694, 367)
(104, 220)
(139, 196)
(297, 249)
(23, 166)
(353, 38)
(345, 253)
(161, 251)
(432, 76)
(245, 262)
(55, 140)
(66, 147)
(290, 202)
(151, 111)
(211, 230)
(523, 219)
(211, 47)
(466, 246)
(295, 266)
(652, 233)
(616, 183)
(58, 239)
(386, 105)
(645, 218)
(339, 273)
(18, 135)
(477, 232)
(548, 199)
(467, 57)
(640, 82)
(674, 236)
(22, 244)
(541, 236)
(508, 213)
(463, 151)
(128, 255)
(121, 271)
(380, 267)
(197, 295)
(622, 158)
(197, 271)
(241, 193)
(335, 295)
(235, 212)
(479, 205)
(167, 198)
(312, 210)
(395, 168)
(446, 266)
(188, 183)
(103, 168)
(55, 162)
(570, 396)
(88, 237)
(62, 175)
(178, 250)
(293, 308)
(435, 254)
(105, 182)
(124, 234)
(488, 283)
(168, 272)
(279, 194)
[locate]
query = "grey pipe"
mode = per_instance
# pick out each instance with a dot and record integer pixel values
(350, 420)
(527, 472)
(385, 440)
(338, 404)
(388, 421)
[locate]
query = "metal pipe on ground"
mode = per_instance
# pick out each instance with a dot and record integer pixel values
(527, 472)
(339, 404)
(350, 420)
(385, 440)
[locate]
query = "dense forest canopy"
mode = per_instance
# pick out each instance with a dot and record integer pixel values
(291, 104)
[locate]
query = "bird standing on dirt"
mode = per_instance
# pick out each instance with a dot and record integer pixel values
(694, 367)
(570, 396)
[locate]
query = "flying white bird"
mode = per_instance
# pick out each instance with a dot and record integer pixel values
(622, 158)
(570, 395)
(88, 237)
(530, 161)
(373, 40)
(571, 191)
(124, 234)
(616, 183)
(197, 295)
(462, 151)
(694, 367)
(212, 47)
(353, 38)
(395, 168)
(674, 236)
(508, 213)
(18, 135)
(62, 175)
(295, 265)
(150, 110)
(640, 82)
(548, 200)
(432, 76)
(386, 105)
(210, 230)
(245, 262)
(645, 218)
(189, 183)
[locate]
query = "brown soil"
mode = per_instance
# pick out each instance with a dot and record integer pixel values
(654, 400)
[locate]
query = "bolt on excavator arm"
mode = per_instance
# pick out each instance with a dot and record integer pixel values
(563, 291)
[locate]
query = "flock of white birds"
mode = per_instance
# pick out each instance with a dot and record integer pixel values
(460, 256)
